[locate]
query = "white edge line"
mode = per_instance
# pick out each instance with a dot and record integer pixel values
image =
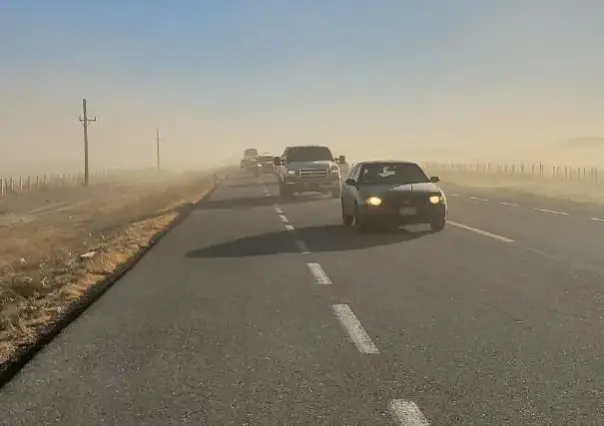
(289, 228)
(597, 219)
(552, 212)
(407, 413)
(355, 330)
(481, 232)
(319, 274)
(283, 218)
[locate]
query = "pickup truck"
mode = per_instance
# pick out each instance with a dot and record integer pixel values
(249, 159)
(308, 168)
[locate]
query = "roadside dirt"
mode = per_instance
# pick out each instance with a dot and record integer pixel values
(55, 248)
(582, 192)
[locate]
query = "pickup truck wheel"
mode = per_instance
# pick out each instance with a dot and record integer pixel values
(346, 218)
(284, 191)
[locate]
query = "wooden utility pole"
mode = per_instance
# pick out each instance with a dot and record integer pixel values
(85, 120)
(157, 139)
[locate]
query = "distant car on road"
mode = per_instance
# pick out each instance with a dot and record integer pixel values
(392, 193)
(265, 163)
(308, 168)
(249, 159)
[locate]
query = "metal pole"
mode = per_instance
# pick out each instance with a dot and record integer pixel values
(86, 169)
(158, 157)
(85, 120)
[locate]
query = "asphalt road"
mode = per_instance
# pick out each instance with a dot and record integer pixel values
(257, 311)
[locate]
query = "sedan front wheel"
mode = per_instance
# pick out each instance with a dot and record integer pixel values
(360, 222)
(438, 225)
(347, 219)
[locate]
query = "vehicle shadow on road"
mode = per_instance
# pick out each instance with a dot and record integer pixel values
(249, 202)
(242, 185)
(318, 239)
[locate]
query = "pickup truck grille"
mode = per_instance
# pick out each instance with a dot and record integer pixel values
(313, 173)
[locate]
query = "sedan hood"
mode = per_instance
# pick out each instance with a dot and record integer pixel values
(415, 188)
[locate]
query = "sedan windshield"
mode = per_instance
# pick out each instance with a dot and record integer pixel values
(392, 173)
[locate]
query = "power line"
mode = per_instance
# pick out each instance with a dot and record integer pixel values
(85, 120)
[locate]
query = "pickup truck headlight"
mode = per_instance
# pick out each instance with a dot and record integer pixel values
(291, 172)
(334, 170)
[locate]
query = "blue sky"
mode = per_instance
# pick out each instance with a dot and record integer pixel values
(219, 75)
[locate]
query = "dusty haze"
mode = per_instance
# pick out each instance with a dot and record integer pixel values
(509, 81)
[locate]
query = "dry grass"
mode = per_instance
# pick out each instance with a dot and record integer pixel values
(573, 191)
(42, 268)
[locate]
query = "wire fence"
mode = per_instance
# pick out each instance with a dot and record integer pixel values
(14, 185)
(583, 175)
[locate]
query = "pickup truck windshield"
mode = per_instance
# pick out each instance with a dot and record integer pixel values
(250, 153)
(393, 173)
(309, 153)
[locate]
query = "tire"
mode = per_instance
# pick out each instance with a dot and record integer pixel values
(360, 223)
(438, 224)
(284, 191)
(347, 219)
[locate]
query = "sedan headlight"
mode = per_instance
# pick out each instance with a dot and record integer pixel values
(435, 199)
(374, 201)
(291, 172)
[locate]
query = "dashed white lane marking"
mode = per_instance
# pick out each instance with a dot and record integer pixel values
(479, 199)
(481, 232)
(454, 195)
(278, 210)
(283, 218)
(597, 219)
(505, 203)
(268, 194)
(317, 271)
(355, 330)
(289, 228)
(302, 247)
(552, 212)
(407, 413)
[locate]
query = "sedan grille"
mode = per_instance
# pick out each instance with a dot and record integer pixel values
(407, 199)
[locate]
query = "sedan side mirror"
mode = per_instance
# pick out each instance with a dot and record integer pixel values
(277, 161)
(350, 182)
(434, 179)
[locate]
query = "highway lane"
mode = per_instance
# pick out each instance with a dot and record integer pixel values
(571, 238)
(257, 310)
(584, 210)
(218, 324)
(472, 329)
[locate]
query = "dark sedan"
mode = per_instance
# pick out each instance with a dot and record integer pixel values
(392, 193)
